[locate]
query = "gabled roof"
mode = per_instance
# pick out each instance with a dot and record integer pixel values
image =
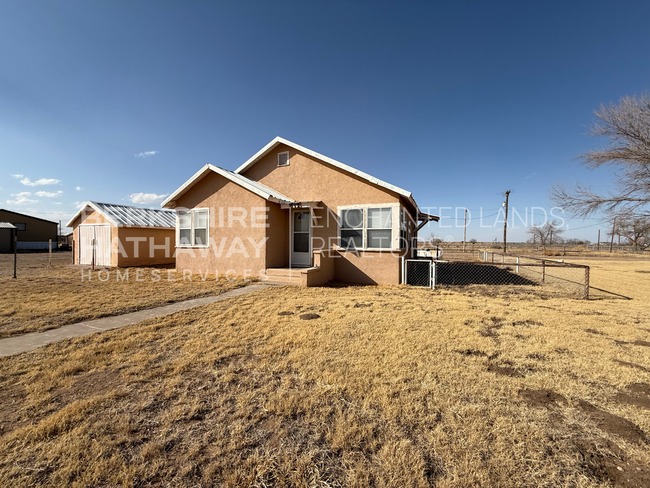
(279, 140)
(124, 215)
(7, 225)
(30, 216)
(253, 186)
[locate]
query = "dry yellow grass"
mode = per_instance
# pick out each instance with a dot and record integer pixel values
(45, 297)
(390, 386)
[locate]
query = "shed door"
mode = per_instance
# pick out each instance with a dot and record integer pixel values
(102, 249)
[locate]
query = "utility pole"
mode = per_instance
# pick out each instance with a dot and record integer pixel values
(611, 244)
(505, 222)
(465, 231)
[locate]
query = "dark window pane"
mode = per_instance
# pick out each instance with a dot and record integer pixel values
(200, 237)
(352, 219)
(301, 242)
(184, 237)
(351, 239)
(380, 239)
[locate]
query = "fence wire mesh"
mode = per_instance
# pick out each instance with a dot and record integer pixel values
(494, 269)
(418, 272)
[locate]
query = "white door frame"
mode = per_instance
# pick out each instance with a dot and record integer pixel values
(292, 263)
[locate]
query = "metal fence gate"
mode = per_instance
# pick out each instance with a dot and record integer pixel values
(420, 272)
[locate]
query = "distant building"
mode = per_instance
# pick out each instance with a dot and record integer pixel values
(33, 232)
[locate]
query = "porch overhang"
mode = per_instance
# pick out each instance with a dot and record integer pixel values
(308, 204)
(424, 219)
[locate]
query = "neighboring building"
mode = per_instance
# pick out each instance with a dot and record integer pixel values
(123, 235)
(33, 232)
(281, 209)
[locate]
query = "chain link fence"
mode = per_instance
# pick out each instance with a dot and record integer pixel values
(493, 269)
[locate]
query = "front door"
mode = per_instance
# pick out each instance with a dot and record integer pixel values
(300, 238)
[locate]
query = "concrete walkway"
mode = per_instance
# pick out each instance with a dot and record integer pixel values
(28, 342)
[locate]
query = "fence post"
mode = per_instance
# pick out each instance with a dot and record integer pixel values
(543, 270)
(517, 265)
(492, 257)
(586, 293)
(50, 259)
(73, 244)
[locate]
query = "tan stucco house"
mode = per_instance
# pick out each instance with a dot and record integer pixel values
(289, 213)
(105, 234)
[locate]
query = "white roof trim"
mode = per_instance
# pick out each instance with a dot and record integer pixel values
(96, 209)
(279, 140)
(252, 186)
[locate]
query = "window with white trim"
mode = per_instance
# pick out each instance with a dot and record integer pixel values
(283, 158)
(369, 226)
(184, 224)
(380, 228)
(200, 227)
(192, 228)
(352, 228)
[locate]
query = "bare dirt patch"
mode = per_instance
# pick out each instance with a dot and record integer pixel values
(604, 460)
(637, 394)
(504, 371)
(542, 398)
(309, 316)
(613, 424)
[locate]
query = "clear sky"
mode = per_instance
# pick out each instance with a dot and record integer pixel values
(454, 101)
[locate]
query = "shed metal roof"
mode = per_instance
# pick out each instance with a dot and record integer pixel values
(7, 225)
(124, 215)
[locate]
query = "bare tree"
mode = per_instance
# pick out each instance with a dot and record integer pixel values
(627, 126)
(634, 228)
(546, 234)
(433, 240)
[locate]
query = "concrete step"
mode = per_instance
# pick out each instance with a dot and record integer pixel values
(284, 275)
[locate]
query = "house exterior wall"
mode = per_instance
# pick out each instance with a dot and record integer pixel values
(238, 254)
(308, 179)
(37, 231)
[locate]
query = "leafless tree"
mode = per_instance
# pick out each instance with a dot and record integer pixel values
(627, 127)
(434, 240)
(634, 228)
(546, 234)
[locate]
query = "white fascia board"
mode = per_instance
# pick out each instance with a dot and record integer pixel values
(181, 189)
(96, 209)
(226, 174)
(279, 140)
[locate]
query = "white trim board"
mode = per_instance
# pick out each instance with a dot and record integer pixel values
(252, 186)
(279, 140)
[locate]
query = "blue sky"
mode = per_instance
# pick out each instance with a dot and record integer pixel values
(454, 101)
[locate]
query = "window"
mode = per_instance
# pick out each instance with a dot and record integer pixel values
(283, 158)
(380, 228)
(192, 228)
(200, 227)
(21, 226)
(185, 228)
(369, 226)
(352, 228)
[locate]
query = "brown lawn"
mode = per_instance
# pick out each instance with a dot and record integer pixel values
(46, 297)
(383, 386)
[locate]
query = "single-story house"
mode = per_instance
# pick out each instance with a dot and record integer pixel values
(122, 235)
(34, 233)
(291, 213)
